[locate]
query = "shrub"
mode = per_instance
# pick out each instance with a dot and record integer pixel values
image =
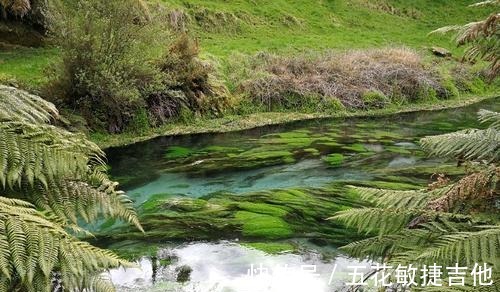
(374, 99)
(397, 74)
(188, 84)
(105, 69)
(140, 121)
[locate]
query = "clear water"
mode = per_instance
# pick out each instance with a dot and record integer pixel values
(143, 169)
(225, 266)
(392, 144)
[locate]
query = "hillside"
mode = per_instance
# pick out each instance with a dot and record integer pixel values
(249, 26)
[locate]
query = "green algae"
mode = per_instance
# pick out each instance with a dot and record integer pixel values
(221, 149)
(398, 150)
(262, 226)
(355, 148)
(334, 160)
(258, 216)
(312, 151)
(272, 247)
(133, 249)
(263, 209)
(175, 152)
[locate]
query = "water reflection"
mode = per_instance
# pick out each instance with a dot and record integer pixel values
(225, 266)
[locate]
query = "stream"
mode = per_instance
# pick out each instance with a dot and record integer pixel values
(244, 211)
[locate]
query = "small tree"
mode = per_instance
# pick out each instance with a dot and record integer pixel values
(106, 67)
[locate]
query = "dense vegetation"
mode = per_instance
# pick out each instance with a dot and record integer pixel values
(52, 181)
(449, 222)
(127, 66)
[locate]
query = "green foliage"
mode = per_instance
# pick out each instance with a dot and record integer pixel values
(105, 69)
(334, 159)
(444, 223)
(51, 180)
(481, 37)
(374, 99)
(140, 121)
(189, 84)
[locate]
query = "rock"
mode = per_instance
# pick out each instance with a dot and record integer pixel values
(440, 52)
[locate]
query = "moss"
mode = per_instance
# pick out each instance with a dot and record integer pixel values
(262, 226)
(335, 159)
(175, 152)
(271, 247)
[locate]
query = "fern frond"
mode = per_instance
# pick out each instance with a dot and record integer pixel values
(473, 187)
(486, 116)
(64, 175)
(18, 105)
(382, 221)
(34, 248)
(473, 145)
(469, 247)
(396, 199)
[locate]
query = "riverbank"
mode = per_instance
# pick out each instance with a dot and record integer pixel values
(237, 123)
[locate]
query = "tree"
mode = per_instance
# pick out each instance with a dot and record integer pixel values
(445, 223)
(50, 181)
(481, 37)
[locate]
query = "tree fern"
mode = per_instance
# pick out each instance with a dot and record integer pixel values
(62, 174)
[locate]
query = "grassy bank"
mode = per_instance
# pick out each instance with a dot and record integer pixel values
(244, 122)
(248, 26)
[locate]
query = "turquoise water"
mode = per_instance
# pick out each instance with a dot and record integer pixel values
(390, 142)
(277, 157)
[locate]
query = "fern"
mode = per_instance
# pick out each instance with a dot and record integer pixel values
(62, 174)
(424, 226)
(486, 116)
(472, 145)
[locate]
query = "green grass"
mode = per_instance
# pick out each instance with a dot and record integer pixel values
(320, 25)
(287, 26)
(26, 65)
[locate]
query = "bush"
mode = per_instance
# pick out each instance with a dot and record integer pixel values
(106, 69)
(374, 99)
(358, 79)
(189, 84)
